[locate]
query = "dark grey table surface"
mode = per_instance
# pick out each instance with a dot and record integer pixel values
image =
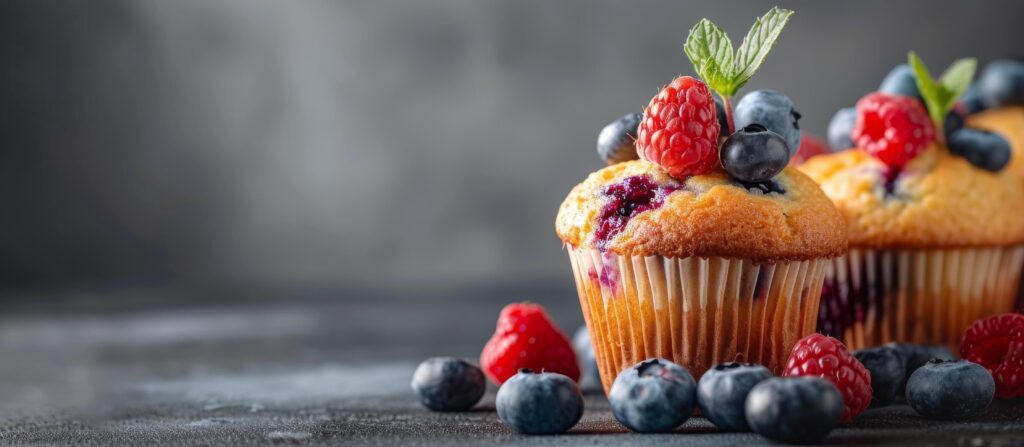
(220, 366)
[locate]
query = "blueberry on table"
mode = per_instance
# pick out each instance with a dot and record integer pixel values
(888, 370)
(539, 403)
(754, 154)
(722, 393)
(840, 128)
(653, 396)
(615, 143)
(448, 384)
(1002, 83)
(900, 81)
(774, 111)
(794, 410)
(950, 389)
(917, 355)
(590, 379)
(984, 149)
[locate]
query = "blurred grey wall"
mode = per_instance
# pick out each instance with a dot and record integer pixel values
(369, 142)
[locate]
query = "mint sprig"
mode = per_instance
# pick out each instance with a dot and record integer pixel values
(724, 70)
(940, 96)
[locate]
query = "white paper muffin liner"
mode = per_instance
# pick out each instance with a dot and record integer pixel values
(872, 297)
(697, 312)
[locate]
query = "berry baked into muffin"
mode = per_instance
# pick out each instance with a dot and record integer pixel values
(702, 246)
(933, 217)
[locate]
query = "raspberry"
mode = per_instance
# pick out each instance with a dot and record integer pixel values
(679, 130)
(526, 338)
(822, 356)
(997, 343)
(893, 129)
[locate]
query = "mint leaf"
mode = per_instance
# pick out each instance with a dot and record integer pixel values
(940, 97)
(712, 55)
(758, 42)
(710, 51)
(957, 78)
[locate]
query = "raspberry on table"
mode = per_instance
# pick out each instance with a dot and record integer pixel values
(679, 130)
(997, 343)
(893, 129)
(525, 338)
(822, 356)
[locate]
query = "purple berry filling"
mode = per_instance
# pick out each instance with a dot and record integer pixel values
(846, 304)
(626, 199)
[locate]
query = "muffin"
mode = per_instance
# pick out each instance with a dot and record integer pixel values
(694, 247)
(934, 229)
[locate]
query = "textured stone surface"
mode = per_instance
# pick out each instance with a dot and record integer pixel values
(200, 367)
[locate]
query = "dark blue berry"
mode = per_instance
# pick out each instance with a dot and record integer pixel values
(722, 393)
(653, 396)
(954, 121)
(794, 409)
(900, 81)
(917, 355)
(754, 154)
(615, 143)
(950, 389)
(448, 384)
(723, 119)
(1002, 83)
(590, 379)
(840, 128)
(539, 403)
(888, 370)
(984, 149)
(972, 101)
(774, 111)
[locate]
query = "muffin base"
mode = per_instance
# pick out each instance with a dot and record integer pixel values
(872, 297)
(697, 312)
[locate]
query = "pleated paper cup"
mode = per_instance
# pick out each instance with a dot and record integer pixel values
(872, 297)
(697, 312)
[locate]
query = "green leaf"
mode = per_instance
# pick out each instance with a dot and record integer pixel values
(940, 97)
(710, 51)
(957, 78)
(712, 55)
(758, 43)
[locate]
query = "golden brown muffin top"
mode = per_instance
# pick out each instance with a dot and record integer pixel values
(634, 208)
(1008, 122)
(938, 200)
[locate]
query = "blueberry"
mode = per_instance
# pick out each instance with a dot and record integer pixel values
(888, 370)
(653, 396)
(1002, 83)
(774, 111)
(972, 101)
(723, 119)
(917, 355)
(448, 384)
(950, 389)
(615, 143)
(722, 393)
(794, 409)
(954, 121)
(900, 81)
(590, 379)
(840, 129)
(754, 154)
(539, 403)
(984, 149)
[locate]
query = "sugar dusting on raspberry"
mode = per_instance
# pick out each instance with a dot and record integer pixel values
(626, 199)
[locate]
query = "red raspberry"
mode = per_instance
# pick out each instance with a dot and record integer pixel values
(821, 356)
(997, 343)
(526, 338)
(679, 130)
(892, 128)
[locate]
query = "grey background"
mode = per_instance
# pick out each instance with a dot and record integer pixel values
(369, 143)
